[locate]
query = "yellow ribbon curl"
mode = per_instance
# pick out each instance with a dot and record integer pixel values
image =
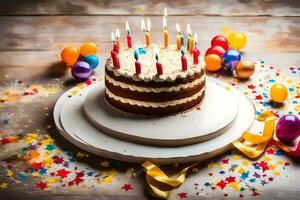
(253, 145)
(160, 185)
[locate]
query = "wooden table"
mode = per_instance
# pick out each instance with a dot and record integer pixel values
(33, 34)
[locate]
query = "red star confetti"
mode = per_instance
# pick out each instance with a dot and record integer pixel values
(36, 166)
(62, 173)
(182, 195)
(222, 184)
(58, 159)
(225, 161)
(250, 86)
(127, 187)
(41, 185)
(258, 97)
(230, 179)
(270, 151)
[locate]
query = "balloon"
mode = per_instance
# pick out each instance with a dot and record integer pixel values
(220, 40)
(278, 92)
(69, 55)
(213, 62)
(92, 60)
(231, 58)
(244, 69)
(237, 40)
(288, 128)
(88, 48)
(81, 71)
(218, 50)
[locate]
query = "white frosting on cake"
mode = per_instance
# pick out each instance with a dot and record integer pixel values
(170, 58)
(154, 104)
(156, 90)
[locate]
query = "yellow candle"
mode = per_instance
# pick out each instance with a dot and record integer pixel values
(166, 38)
(166, 33)
(178, 41)
(178, 37)
(146, 31)
(191, 45)
(118, 37)
(147, 36)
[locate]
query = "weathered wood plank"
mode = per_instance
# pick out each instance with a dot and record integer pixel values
(265, 34)
(153, 7)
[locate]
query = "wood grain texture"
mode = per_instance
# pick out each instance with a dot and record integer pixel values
(154, 7)
(265, 34)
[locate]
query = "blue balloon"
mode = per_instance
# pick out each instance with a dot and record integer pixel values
(92, 60)
(231, 58)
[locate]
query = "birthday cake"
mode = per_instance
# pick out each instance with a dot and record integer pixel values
(141, 82)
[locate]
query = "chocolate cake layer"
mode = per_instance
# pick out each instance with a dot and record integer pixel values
(153, 83)
(154, 111)
(154, 96)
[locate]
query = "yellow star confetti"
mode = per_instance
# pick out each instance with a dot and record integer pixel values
(107, 179)
(241, 170)
(82, 155)
(51, 180)
(105, 163)
(211, 165)
(131, 172)
(9, 173)
(245, 162)
(3, 185)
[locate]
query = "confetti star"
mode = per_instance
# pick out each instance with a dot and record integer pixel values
(245, 175)
(127, 187)
(270, 151)
(225, 161)
(230, 179)
(263, 165)
(58, 159)
(182, 195)
(37, 166)
(105, 163)
(250, 86)
(62, 173)
(9, 173)
(222, 184)
(41, 185)
(211, 164)
(3, 185)
(271, 179)
(258, 97)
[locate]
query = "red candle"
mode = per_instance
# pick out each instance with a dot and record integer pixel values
(115, 59)
(159, 68)
(196, 54)
(129, 41)
(129, 45)
(138, 69)
(183, 63)
(116, 47)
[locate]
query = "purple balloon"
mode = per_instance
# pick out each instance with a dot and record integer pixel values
(81, 71)
(288, 128)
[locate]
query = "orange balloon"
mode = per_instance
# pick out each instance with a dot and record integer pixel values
(213, 62)
(88, 48)
(69, 55)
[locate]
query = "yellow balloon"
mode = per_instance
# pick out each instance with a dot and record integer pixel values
(237, 40)
(278, 92)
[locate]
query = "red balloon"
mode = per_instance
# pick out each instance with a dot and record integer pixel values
(220, 40)
(218, 50)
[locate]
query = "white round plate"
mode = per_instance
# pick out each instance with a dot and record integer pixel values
(78, 130)
(217, 112)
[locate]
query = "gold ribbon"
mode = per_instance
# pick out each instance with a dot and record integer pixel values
(253, 145)
(160, 185)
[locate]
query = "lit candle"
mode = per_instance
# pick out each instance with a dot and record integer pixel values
(166, 33)
(178, 37)
(158, 64)
(129, 44)
(188, 30)
(138, 69)
(118, 37)
(115, 45)
(196, 51)
(183, 60)
(190, 39)
(146, 31)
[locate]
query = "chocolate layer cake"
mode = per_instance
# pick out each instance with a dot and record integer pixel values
(148, 93)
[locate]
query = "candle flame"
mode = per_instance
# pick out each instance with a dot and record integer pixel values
(127, 27)
(148, 25)
(143, 26)
(196, 38)
(112, 37)
(117, 33)
(165, 23)
(178, 28)
(165, 12)
(188, 30)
